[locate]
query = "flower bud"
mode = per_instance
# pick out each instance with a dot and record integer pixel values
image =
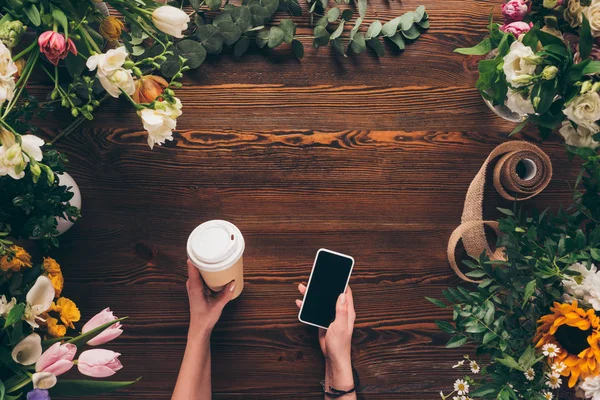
(550, 4)
(137, 71)
(11, 33)
(537, 60)
(536, 101)
(586, 87)
(171, 20)
(595, 87)
(111, 28)
(523, 79)
(128, 64)
(74, 112)
(549, 72)
(36, 171)
(148, 88)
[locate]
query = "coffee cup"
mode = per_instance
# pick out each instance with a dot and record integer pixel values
(216, 248)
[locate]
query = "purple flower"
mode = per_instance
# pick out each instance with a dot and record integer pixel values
(38, 394)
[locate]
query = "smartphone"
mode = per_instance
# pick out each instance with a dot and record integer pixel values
(329, 278)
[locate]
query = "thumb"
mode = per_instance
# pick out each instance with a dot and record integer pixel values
(225, 295)
(341, 309)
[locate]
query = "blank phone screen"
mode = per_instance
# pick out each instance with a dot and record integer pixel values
(328, 281)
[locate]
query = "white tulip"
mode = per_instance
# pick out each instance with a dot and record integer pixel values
(6, 306)
(519, 61)
(171, 20)
(580, 137)
(28, 350)
(8, 69)
(160, 121)
(519, 104)
(39, 299)
(43, 380)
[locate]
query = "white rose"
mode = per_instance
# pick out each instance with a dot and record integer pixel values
(516, 63)
(117, 80)
(108, 62)
(590, 386)
(580, 137)
(593, 16)
(8, 69)
(574, 13)
(171, 20)
(519, 104)
(584, 110)
(160, 121)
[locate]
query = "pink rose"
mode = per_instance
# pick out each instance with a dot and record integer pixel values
(110, 333)
(54, 46)
(514, 10)
(517, 28)
(57, 359)
(99, 363)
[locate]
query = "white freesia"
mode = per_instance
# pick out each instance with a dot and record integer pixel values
(591, 387)
(6, 306)
(171, 20)
(43, 380)
(111, 74)
(120, 79)
(518, 62)
(160, 121)
(14, 157)
(584, 110)
(583, 288)
(580, 137)
(519, 104)
(8, 69)
(28, 350)
(39, 299)
(593, 16)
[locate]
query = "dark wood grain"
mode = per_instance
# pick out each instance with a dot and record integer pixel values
(367, 156)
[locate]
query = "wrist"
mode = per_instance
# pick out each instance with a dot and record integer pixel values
(339, 375)
(199, 333)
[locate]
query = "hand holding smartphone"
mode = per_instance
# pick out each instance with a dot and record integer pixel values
(329, 278)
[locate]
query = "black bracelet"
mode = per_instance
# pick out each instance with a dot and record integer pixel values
(335, 393)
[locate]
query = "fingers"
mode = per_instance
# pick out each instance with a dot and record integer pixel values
(302, 289)
(299, 303)
(351, 311)
(225, 295)
(341, 310)
(194, 278)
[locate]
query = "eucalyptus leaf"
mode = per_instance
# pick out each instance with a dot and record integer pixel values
(321, 36)
(260, 15)
(419, 14)
(242, 17)
(230, 32)
(270, 5)
(223, 16)
(362, 8)
(374, 29)
(262, 38)
(389, 28)
(338, 46)
(241, 46)
(276, 36)
(214, 5)
(358, 44)
(424, 24)
(211, 38)
(333, 14)
(347, 15)
(356, 26)
(376, 45)
(412, 33)
(193, 51)
(338, 31)
(398, 40)
(289, 29)
(297, 48)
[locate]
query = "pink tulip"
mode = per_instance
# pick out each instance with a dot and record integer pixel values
(54, 46)
(109, 333)
(57, 360)
(514, 10)
(517, 28)
(99, 363)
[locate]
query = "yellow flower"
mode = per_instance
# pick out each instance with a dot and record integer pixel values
(51, 266)
(576, 332)
(110, 28)
(54, 329)
(68, 311)
(58, 282)
(16, 259)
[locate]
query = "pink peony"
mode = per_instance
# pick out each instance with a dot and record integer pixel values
(109, 333)
(54, 46)
(57, 359)
(517, 28)
(99, 363)
(514, 10)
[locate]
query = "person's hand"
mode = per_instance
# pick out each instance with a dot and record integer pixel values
(336, 341)
(205, 307)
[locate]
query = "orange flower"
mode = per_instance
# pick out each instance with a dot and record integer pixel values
(54, 329)
(577, 334)
(51, 266)
(58, 281)
(148, 88)
(68, 311)
(111, 28)
(17, 259)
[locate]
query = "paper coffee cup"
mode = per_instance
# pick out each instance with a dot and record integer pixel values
(216, 248)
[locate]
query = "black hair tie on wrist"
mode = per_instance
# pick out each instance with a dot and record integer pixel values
(335, 393)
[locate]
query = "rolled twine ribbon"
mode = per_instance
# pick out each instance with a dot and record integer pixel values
(523, 170)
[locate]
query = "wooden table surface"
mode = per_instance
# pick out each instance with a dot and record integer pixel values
(370, 157)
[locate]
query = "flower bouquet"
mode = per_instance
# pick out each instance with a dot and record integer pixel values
(34, 325)
(535, 313)
(543, 64)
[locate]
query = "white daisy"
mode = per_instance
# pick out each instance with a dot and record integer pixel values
(475, 368)
(529, 374)
(558, 367)
(547, 395)
(554, 381)
(550, 350)
(459, 364)
(461, 387)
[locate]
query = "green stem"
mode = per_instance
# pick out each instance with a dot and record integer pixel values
(25, 51)
(10, 128)
(87, 38)
(19, 385)
(76, 123)
(134, 20)
(22, 82)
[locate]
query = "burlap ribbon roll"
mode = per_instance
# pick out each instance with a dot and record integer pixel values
(522, 171)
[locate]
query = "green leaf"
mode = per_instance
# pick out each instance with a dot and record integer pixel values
(445, 326)
(61, 19)
(214, 5)
(297, 48)
(338, 46)
(398, 40)
(376, 45)
(321, 36)
(436, 302)
(224, 16)
(412, 33)
(211, 38)
(276, 36)
(531, 39)
(506, 211)
(595, 253)
(262, 38)
(586, 41)
(362, 8)
(476, 329)
(230, 31)
(529, 289)
(546, 92)
(456, 341)
(480, 49)
(488, 337)
(196, 4)
(270, 5)
(424, 24)
(2, 391)
(33, 14)
(260, 15)
(193, 51)
(242, 18)
(407, 20)
(419, 14)
(15, 314)
(374, 29)
(338, 31)
(86, 337)
(289, 28)
(75, 65)
(354, 29)
(76, 387)
(241, 46)
(509, 362)
(358, 44)
(333, 14)
(389, 28)
(347, 15)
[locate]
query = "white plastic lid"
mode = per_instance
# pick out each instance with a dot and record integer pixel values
(215, 245)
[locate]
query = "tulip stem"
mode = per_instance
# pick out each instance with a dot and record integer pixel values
(25, 51)
(19, 385)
